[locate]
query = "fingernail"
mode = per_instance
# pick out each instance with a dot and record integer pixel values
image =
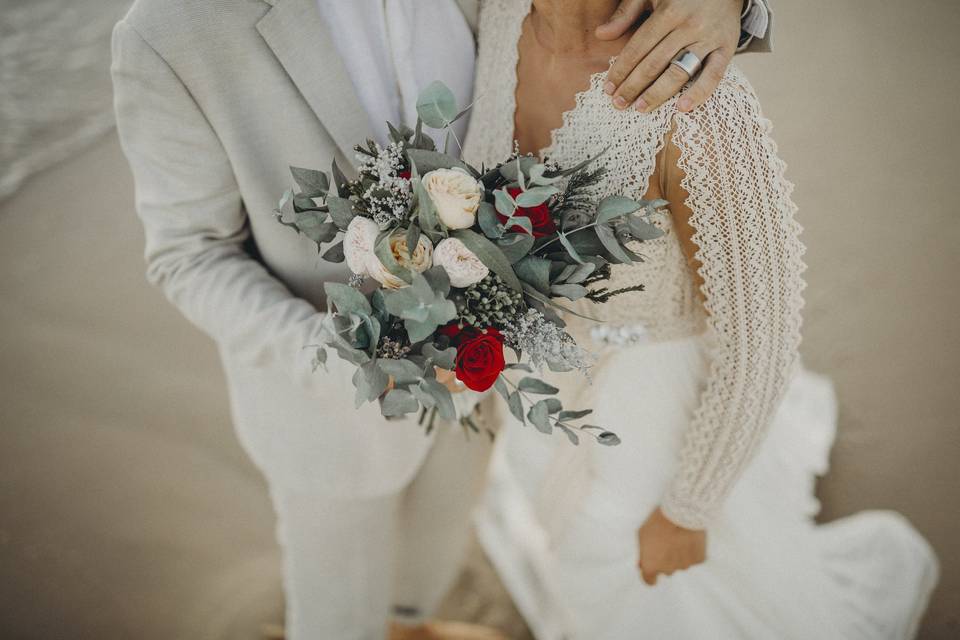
(620, 102)
(640, 104)
(684, 104)
(609, 88)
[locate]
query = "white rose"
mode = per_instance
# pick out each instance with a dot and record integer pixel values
(455, 194)
(462, 266)
(419, 261)
(358, 244)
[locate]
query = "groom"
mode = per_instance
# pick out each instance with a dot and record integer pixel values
(214, 100)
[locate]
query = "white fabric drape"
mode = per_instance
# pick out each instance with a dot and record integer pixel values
(394, 48)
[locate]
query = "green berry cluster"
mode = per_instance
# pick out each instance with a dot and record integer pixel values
(490, 303)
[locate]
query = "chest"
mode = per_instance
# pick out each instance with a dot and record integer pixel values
(546, 89)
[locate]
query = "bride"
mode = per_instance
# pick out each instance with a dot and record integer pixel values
(722, 432)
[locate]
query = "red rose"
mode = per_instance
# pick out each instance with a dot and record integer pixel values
(479, 355)
(405, 174)
(539, 216)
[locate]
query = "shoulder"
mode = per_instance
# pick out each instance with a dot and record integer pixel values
(733, 100)
(191, 26)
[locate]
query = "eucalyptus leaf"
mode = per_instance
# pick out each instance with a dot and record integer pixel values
(489, 224)
(384, 253)
(569, 291)
(608, 438)
(436, 105)
(303, 202)
(522, 222)
(421, 308)
(312, 183)
(614, 206)
(553, 405)
(413, 237)
(537, 176)
(611, 244)
(539, 416)
(426, 211)
(334, 253)
(515, 403)
(502, 388)
(341, 211)
(536, 196)
(370, 381)
(441, 397)
(346, 298)
(535, 271)
(533, 385)
(372, 327)
(339, 179)
(643, 230)
(574, 415)
(445, 359)
(565, 272)
(403, 371)
(399, 402)
(438, 280)
(571, 251)
(581, 273)
(516, 246)
(490, 255)
(504, 202)
(427, 161)
(571, 436)
(509, 169)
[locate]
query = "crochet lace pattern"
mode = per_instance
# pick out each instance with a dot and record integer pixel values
(743, 220)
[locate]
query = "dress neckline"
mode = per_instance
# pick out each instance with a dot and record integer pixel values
(596, 81)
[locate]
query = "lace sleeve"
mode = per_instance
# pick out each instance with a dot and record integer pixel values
(750, 256)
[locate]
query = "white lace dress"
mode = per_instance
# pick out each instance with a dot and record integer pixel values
(720, 426)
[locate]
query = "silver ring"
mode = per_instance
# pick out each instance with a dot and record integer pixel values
(689, 62)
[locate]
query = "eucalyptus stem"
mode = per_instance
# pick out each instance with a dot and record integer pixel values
(557, 239)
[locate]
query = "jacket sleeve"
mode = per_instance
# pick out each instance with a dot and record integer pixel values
(756, 27)
(750, 257)
(194, 221)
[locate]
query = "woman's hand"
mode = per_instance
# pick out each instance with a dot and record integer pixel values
(666, 547)
(643, 73)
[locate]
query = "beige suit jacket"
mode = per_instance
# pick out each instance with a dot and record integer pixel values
(214, 100)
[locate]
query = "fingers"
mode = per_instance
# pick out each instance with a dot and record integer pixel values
(626, 14)
(650, 577)
(634, 61)
(706, 83)
(669, 83)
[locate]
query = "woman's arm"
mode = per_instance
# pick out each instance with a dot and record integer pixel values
(736, 222)
(734, 219)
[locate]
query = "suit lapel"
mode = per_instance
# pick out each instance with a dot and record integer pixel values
(298, 37)
(471, 11)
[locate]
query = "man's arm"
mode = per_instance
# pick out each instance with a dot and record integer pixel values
(714, 30)
(193, 218)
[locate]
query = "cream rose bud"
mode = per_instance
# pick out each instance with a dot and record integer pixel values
(419, 261)
(463, 267)
(358, 243)
(456, 196)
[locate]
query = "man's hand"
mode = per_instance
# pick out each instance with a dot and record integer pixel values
(666, 547)
(643, 75)
(444, 376)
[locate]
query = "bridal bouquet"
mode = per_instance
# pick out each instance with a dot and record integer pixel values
(465, 262)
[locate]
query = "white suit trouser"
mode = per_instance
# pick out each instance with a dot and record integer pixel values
(350, 565)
